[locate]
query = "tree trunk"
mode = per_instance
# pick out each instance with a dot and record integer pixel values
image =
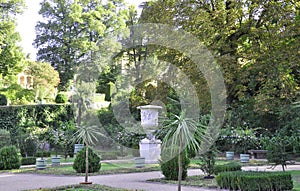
(86, 162)
(80, 101)
(180, 163)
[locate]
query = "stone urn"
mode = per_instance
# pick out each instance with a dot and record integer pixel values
(150, 148)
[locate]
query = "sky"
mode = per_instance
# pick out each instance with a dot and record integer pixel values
(28, 20)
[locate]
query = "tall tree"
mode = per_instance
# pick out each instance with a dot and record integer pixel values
(11, 55)
(72, 29)
(254, 43)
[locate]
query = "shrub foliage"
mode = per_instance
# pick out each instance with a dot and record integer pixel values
(169, 168)
(94, 161)
(253, 181)
(4, 138)
(61, 98)
(9, 158)
(233, 166)
(28, 161)
(16, 118)
(3, 99)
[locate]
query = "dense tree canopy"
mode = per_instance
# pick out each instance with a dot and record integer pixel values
(72, 29)
(45, 79)
(11, 55)
(256, 43)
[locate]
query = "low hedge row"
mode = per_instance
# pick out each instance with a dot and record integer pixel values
(227, 167)
(28, 161)
(254, 181)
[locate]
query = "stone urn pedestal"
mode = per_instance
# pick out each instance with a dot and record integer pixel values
(150, 150)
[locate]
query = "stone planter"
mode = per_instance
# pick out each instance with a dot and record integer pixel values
(229, 155)
(41, 164)
(139, 162)
(55, 161)
(244, 158)
(150, 150)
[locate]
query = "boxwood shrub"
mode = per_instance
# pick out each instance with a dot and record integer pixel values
(233, 166)
(94, 161)
(28, 161)
(9, 158)
(169, 167)
(61, 98)
(253, 181)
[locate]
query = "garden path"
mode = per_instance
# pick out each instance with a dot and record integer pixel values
(17, 182)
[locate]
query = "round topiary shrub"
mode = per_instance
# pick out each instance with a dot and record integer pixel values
(61, 98)
(94, 161)
(169, 168)
(3, 99)
(9, 158)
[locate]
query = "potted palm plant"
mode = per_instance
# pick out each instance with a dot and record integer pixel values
(41, 137)
(56, 136)
(181, 132)
(89, 134)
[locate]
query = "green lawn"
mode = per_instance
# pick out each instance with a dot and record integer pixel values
(296, 179)
(193, 162)
(197, 181)
(106, 168)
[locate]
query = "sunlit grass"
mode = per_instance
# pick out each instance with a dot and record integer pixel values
(106, 168)
(296, 179)
(197, 180)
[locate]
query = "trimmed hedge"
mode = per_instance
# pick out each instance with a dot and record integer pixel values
(9, 158)
(28, 161)
(253, 181)
(227, 167)
(4, 138)
(12, 117)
